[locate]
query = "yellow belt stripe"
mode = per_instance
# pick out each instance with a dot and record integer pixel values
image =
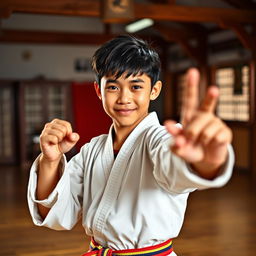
(106, 252)
(144, 252)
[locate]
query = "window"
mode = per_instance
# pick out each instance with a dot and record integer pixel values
(33, 108)
(43, 101)
(6, 124)
(57, 99)
(233, 83)
(7, 150)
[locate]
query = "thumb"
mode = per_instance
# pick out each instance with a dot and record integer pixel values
(73, 137)
(69, 142)
(173, 127)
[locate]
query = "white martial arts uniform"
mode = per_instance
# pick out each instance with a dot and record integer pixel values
(136, 200)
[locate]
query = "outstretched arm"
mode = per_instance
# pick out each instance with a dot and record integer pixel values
(202, 141)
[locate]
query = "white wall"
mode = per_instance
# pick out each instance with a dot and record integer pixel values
(52, 62)
(49, 61)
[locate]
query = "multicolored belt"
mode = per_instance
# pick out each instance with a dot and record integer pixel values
(162, 249)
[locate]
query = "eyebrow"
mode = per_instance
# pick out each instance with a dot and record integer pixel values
(137, 81)
(131, 81)
(111, 81)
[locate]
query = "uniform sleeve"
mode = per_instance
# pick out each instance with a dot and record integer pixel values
(65, 200)
(174, 174)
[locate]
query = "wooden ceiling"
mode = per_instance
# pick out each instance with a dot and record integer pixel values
(239, 11)
(238, 16)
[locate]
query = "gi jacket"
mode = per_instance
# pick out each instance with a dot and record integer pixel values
(135, 200)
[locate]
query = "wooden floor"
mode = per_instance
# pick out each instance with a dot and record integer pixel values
(219, 222)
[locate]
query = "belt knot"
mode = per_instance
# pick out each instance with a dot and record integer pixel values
(98, 250)
(105, 252)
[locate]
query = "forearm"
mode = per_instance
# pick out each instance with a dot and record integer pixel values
(48, 177)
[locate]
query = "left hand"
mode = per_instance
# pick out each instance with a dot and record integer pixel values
(202, 140)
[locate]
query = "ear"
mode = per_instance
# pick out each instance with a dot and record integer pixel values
(97, 90)
(156, 89)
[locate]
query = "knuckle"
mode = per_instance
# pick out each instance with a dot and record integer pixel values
(58, 134)
(55, 120)
(68, 124)
(46, 125)
(43, 134)
(55, 139)
(41, 137)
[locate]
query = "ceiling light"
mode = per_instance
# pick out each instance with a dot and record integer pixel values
(139, 25)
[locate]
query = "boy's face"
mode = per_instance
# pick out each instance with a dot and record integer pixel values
(126, 100)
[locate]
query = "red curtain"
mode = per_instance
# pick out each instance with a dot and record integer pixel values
(90, 120)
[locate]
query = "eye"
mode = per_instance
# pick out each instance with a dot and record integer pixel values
(111, 88)
(136, 87)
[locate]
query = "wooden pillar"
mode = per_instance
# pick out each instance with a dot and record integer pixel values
(252, 158)
(167, 88)
(202, 60)
(253, 122)
(22, 128)
(168, 98)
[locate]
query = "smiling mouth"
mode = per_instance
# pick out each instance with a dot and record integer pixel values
(124, 112)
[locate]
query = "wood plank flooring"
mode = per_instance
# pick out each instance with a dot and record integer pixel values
(218, 222)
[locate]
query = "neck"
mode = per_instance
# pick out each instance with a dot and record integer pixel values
(122, 132)
(120, 136)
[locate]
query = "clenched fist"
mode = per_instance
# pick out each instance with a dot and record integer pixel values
(57, 138)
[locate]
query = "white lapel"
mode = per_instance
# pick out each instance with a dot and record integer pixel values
(115, 170)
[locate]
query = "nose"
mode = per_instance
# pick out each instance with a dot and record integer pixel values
(124, 97)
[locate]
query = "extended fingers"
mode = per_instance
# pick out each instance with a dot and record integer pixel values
(190, 95)
(210, 100)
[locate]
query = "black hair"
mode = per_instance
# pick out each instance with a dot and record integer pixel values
(126, 53)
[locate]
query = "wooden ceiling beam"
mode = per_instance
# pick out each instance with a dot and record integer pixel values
(58, 7)
(248, 40)
(91, 8)
(177, 35)
(194, 14)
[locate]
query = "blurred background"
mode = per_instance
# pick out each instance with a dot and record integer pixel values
(45, 73)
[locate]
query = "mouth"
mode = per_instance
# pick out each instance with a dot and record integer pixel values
(124, 112)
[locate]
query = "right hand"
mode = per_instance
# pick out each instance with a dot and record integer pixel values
(56, 139)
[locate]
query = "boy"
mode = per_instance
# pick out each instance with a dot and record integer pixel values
(131, 186)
